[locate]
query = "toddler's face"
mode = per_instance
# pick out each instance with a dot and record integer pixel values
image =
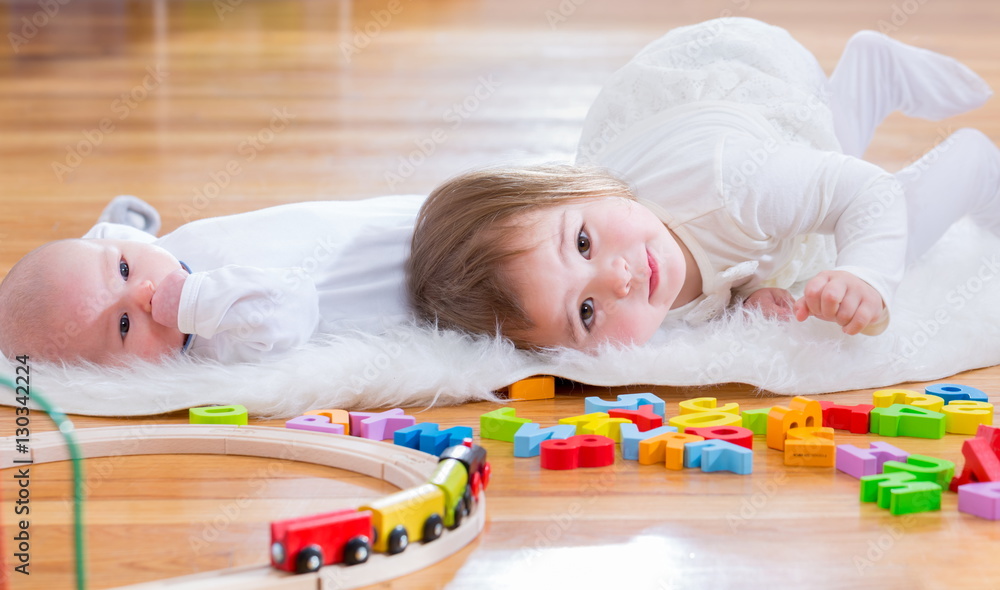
(104, 290)
(604, 270)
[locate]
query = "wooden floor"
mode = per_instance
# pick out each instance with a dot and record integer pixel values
(208, 108)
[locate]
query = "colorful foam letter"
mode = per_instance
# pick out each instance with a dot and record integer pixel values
(901, 493)
(537, 387)
(950, 392)
(755, 420)
(980, 499)
(586, 450)
(645, 399)
(924, 468)
(528, 439)
(883, 398)
(500, 424)
(595, 405)
(315, 423)
(409, 437)
(858, 462)
(718, 455)
(706, 404)
(802, 412)
(810, 446)
(871, 484)
(843, 417)
(632, 436)
(379, 425)
(626, 401)
(982, 459)
(965, 416)
(342, 417)
(917, 496)
(905, 420)
(234, 414)
(428, 438)
(598, 423)
(667, 447)
(734, 434)
(706, 419)
(644, 417)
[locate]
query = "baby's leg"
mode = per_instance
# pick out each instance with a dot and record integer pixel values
(877, 75)
(960, 176)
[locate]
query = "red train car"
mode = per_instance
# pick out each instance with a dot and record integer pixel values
(307, 543)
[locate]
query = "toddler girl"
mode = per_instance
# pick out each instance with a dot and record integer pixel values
(715, 166)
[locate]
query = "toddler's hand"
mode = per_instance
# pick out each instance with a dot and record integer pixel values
(773, 302)
(839, 296)
(167, 298)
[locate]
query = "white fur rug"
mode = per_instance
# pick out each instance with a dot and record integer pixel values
(946, 320)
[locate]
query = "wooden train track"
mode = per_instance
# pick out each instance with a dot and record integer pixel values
(399, 466)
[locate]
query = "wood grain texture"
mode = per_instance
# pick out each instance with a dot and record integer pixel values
(185, 90)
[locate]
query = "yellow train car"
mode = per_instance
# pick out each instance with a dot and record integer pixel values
(415, 514)
(452, 478)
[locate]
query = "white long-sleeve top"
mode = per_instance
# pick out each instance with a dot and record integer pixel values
(721, 151)
(266, 281)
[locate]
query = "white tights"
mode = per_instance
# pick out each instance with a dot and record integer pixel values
(877, 75)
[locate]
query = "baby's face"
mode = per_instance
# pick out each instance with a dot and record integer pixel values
(104, 292)
(596, 271)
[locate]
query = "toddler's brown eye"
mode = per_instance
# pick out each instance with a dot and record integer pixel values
(583, 243)
(587, 313)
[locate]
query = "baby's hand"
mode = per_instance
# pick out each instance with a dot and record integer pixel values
(167, 298)
(773, 302)
(839, 296)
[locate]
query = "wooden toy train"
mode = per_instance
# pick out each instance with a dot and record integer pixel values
(388, 524)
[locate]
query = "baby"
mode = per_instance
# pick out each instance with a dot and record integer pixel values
(714, 167)
(233, 289)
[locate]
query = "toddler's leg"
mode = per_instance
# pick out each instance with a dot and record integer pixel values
(960, 176)
(877, 75)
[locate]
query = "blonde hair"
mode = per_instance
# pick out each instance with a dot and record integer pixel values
(462, 239)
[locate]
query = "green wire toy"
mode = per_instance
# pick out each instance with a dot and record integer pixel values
(66, 428)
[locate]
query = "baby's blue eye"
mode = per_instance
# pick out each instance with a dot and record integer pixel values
(583, 243)
(123, 269)
(123, 325)
(587, 313)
